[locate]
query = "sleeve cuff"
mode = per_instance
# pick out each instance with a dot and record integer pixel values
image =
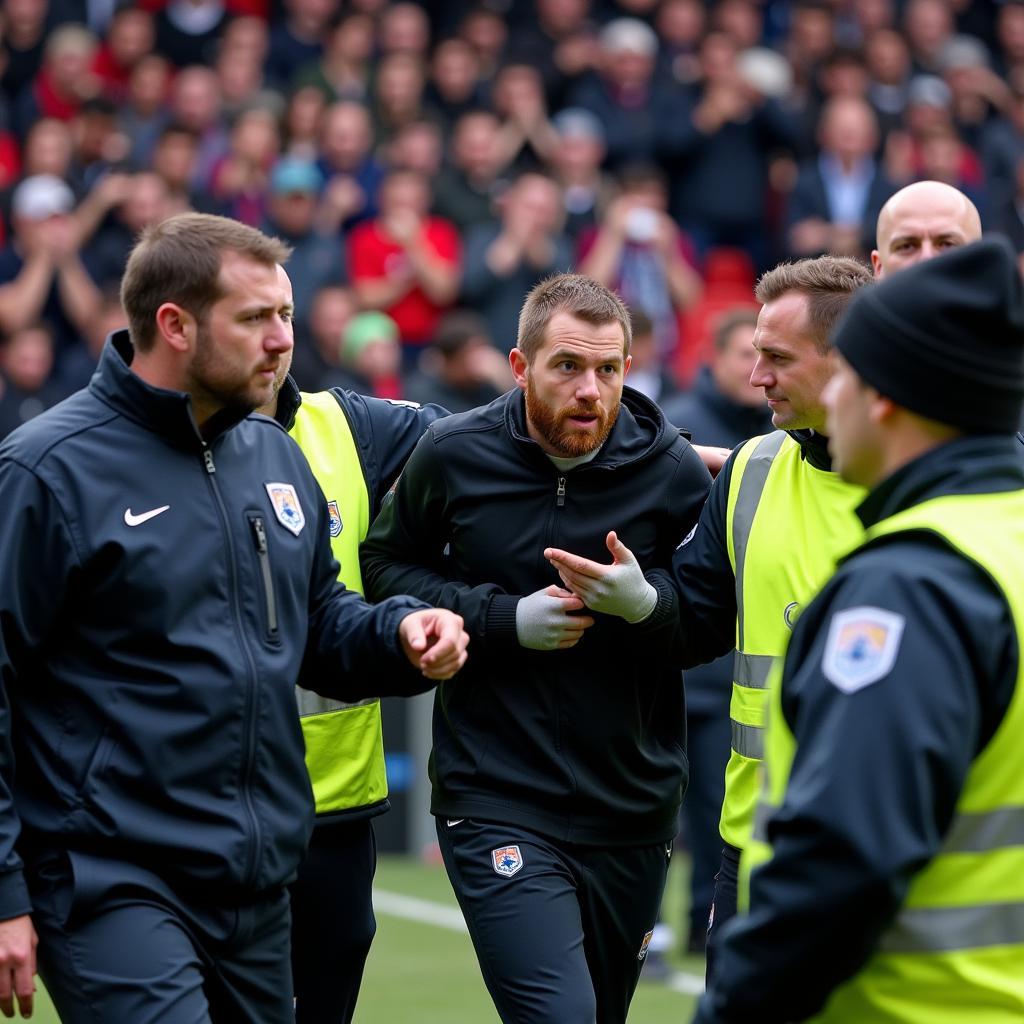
(500, 620)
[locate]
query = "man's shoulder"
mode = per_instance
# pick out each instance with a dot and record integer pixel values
(78, 415)
(462, 427)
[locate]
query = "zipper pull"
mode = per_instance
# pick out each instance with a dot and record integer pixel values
(208, 461)
(560, 493)
(261, 535)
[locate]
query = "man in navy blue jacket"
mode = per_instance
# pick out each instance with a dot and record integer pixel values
(165, 584)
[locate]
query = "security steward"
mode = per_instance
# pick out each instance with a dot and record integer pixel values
(775, 520)
(890, 835)
(356, 447)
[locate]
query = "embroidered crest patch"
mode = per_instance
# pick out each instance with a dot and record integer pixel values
(286, 507)
(335, 517)
(507, 860)
(861, 647)
(645, 944)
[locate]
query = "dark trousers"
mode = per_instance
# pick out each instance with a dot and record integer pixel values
(116, 945)
(332, 921)
(724, 907)
(560, 930)
(708, 751)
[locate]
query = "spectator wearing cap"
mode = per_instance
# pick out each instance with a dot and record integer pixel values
(719, 146)
(369, 357)
(506, 257)
(622, 95)
(41, 272)
(405, 262)
(318, 256)
(577, 167)
(838, 194)
(462, 369)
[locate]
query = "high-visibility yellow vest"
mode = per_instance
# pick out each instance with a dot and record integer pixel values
(787, 523)
(955, 952)
(344, 742)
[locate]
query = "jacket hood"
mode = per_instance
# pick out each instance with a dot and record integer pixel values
(640, 432)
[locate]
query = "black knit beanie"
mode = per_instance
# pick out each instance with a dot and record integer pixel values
(945, 338)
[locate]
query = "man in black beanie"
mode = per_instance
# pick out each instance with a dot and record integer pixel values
(888, 852)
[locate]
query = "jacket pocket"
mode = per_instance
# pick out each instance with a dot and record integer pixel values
(268, 602)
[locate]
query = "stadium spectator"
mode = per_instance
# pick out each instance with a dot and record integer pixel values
(130, 37)
(454, 84)
(576, 164)
(638, 250)
(505, 258)
(187, 31)
(622, 95)
(343, 72)
(476, 173)
(142, 113)
(297, 39)
(369, 358)
(196, 104)
(347, 160)
(517, 97)
(462, 368)
(318, 345)
(648, 371)
(405, 262)
(404, 28)
(838, 195)
(27, 387)
(41, 271)
(398, 88)
(24, 37)
(239, 180)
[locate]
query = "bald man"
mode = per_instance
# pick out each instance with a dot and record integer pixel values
(921, 221)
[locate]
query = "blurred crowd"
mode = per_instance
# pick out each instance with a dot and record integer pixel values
(430, 162)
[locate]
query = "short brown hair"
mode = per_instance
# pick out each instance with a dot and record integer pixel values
(829, 282)
(179, 261)
(579, 296)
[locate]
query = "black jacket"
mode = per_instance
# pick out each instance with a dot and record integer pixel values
(877, 773)
(579, 744)
(156, 610)
(702, 573)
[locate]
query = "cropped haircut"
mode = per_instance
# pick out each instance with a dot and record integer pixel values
(179, 261)
(828, 282)
(581, 297)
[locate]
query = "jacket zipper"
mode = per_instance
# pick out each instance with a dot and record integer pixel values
(259, 532)
(248, 758)
(560, 492)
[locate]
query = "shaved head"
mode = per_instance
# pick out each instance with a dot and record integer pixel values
(921, 221)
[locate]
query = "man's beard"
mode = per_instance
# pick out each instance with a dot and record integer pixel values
(212, 382)
(552, 424)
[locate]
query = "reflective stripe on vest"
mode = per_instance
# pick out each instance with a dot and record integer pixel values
(786, 523)
(344, 742)
(954, 951)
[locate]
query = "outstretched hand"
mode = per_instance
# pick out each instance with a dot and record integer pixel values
(434, 642)
(616, 589)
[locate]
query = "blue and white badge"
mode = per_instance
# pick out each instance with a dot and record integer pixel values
(507, 860)
(334, 515)
(286, 507)
(861, 647)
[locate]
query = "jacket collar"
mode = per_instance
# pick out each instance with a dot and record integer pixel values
(163, 411)
(289, 398)
(968, 465)
(639, 431)
(813, 448)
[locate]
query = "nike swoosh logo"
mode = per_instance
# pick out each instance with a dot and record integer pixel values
(142, 517)
(452, 822)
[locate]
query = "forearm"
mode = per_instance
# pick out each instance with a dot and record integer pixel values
(80, 297)
(602, 262)
(381, 292)
(684, 283)
(21, 300)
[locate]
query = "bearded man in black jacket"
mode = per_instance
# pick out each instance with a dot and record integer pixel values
(557, 772)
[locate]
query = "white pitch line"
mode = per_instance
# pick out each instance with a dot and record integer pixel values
(424, 911)
(427, 912)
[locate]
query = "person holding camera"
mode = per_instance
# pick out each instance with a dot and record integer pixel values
(641, 254)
